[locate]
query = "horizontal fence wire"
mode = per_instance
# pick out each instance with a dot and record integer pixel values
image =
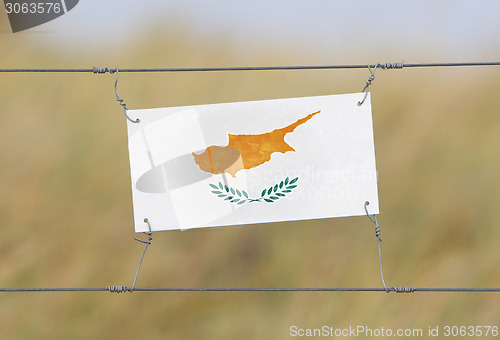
(248, 68)
(125, 289)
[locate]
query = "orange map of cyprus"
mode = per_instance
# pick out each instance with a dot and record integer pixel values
(246, 151)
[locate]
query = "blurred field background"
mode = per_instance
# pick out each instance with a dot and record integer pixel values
(66, 207)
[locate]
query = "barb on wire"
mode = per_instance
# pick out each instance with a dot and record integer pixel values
(102, 70)
(118, 289)
(392, 66)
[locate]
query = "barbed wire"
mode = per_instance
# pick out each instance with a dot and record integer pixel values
(120, 289)
(397, 65)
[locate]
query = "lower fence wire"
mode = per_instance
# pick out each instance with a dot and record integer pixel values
(173, 289)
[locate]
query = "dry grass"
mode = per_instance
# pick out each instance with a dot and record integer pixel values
(66, 211)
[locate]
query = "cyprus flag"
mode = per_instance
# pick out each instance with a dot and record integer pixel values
(252, 162)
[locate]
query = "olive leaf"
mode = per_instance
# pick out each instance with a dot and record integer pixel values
(238, 197)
